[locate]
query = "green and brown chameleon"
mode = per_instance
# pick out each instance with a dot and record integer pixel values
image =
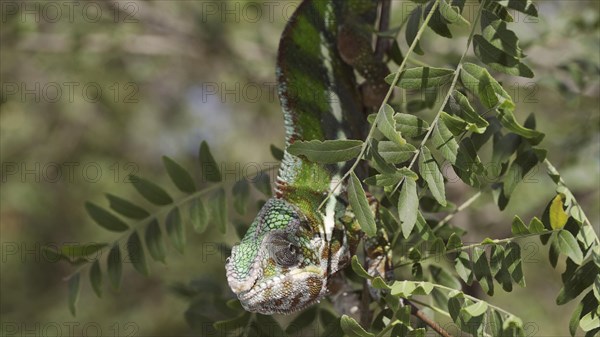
(293, 248)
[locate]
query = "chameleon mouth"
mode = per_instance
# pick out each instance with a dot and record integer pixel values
(278, 282)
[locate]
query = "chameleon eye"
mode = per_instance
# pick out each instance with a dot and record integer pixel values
(286, 256)
(284, 252)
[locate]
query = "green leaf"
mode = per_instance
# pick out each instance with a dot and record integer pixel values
(360, 206)
(479, 81)
(423, 288)
(498, 59)
(208, 166)
(73, 293)
(410, 125)
(422, 78)
(96, 278)
(412, 28)
(352, 328)
(136, 253)
(408, 206)
(262, 183)
(154, 241)
(496, 32)
(126, 208)
(358, 268)
(482, 270)
(241, 194)
(175, 229)
(583, 277)
(567, 245)
(523, 6)
(218, 207)
(199, 216)
(536, 226)
(276, 152)
(476, 309)
(464, 267)
(149, 190)
(558, 216)
(452, 14)
(454, 242)
(518, 227)
(387, 179)
(444, 141)
(394, 153)
(458, 104)
(105, 219)
(114, 266)
(326, 152)
(403, 289)
(430, 172)
(437, 23)
(387, 125)
(514, 262)
(180, 177)
(508, 120)
(75, 251)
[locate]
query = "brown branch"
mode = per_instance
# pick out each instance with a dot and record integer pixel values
(415, 311)
(383, 43)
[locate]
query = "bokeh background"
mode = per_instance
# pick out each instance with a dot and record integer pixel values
(95, 90)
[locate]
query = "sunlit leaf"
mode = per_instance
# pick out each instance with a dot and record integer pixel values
(567, 245)
(422, 78)
(358, 268)
(558, 216)
(444, 141)
(352, 328)
(394, 153)
(387, 125)
(410, 125)
(408, 205)
(430, 171)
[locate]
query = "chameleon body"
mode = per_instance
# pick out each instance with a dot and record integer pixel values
(293, 248)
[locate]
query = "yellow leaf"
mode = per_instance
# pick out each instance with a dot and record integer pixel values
(558, 216)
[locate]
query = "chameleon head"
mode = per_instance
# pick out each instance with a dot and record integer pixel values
(277, 268)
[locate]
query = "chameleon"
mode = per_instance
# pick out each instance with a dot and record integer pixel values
(293, 248)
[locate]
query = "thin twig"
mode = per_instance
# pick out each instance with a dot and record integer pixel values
(366, 143)
(415, 311)
(448, 94)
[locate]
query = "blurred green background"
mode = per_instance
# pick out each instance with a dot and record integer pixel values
(93, 91)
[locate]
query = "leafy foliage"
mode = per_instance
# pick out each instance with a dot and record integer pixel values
(477, 118)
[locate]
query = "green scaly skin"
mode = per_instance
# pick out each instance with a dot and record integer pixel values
(292, 249)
